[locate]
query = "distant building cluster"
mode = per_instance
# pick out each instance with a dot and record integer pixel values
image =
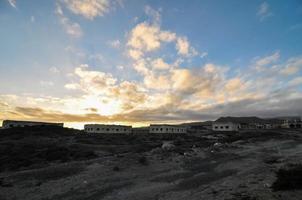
(221, 124)
(14, 123)
(153, 128)
(248, 123)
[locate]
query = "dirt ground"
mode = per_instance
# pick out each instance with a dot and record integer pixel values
(239, 166)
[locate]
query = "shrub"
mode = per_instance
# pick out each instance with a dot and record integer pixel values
(116, 168)
(143, 160)
(289, 178)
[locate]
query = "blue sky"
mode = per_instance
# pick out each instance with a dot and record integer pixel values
(174, 60)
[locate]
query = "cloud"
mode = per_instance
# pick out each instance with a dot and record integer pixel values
(293, 66)
(115, 44)
(130, 94)
(183, 47)
(175, 95)
(160, 64)
(154, 14)
(71, 28)
(296, 81)
(233, 84)
(46, 83)
(146, 37)
(90, 8)
(268, 59)
(99, 85)
(13, 3)
(158, 82)
(32, 19)
(97, 57)
(54, 70)
(93, 82)
(264, 11)
(278, 104)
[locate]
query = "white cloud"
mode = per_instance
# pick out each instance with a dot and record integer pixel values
(98, 57)
(32, 19)
(146, 37)
(268, 59)
(92, 82)
(46, 83)
(54, 70)
(160, 64)
(13, 3)
(90, 8)
(135, 54)
(204, 54)
(264, 11)
(183, 47)
(115, 44)
(71, 28)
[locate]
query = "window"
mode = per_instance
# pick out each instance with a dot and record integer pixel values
(107, 129)
(156, 129)
(221, 127)
(117, 129)
(226, 127)
(161, 129)
(125, 129)
(216, 127)
(98, 129)
(167, 129)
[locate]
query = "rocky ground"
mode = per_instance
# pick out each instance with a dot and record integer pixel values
(56, 163)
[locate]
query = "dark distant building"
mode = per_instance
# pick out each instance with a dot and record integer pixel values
(15, 123)
(245, 123)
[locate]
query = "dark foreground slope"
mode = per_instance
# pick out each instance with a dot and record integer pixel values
(57, 163)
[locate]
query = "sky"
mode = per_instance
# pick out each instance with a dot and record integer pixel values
(139, 62)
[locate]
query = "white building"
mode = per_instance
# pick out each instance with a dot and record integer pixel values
(225, 126)
(165, 128)
(107, 128)
(14, 123)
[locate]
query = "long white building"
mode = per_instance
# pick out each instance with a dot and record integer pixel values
(107, 128)
(166, 128)
(15, 123)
